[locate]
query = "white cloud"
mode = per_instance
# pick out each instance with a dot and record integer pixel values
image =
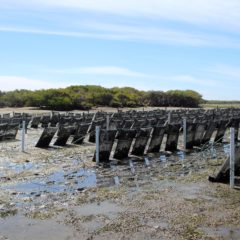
(131, 33)
(155, 33)
(9, 83)
(182, 22)
(220, 13)
(50, 32)
(101, 70)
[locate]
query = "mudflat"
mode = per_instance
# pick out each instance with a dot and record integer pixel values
(60, 193)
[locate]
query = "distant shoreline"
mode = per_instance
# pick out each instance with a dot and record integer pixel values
(109, 109)
(94, 109)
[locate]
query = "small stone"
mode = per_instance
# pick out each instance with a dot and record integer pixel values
(81, 189)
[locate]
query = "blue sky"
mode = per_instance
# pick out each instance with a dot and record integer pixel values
(146, 44)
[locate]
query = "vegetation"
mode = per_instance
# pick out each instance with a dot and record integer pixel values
(85, 97)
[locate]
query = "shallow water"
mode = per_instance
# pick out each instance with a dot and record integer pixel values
(21, 228)
(56, 182)
(20, 167)
(66, 174)
(107, 208)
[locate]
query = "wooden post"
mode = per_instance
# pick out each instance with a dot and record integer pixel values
(107, 122)
(97, 135)
(232, 157)
(184, 133)
(23, 136)
(169, 117)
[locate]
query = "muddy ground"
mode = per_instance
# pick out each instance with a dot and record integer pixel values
(60, 194)
(33, 110)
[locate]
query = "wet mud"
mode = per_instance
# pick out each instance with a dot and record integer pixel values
(60, 193)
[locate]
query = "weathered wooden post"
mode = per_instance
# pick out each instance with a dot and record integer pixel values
(169, 117)
(23, 136)
(184, 133)
(97, 136)
(232, 157)
(107, 122)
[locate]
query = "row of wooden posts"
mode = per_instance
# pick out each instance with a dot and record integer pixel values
(232, 149)
(97, 136)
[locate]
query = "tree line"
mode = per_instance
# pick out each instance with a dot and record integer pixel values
(85, 97)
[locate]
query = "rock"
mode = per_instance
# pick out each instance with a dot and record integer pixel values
(80, 189)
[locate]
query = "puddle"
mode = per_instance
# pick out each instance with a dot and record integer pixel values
(106, 208)
(16, 167)
(34, 188)
(56, 182)
(94, 215)
(22, 228)
(20, 167)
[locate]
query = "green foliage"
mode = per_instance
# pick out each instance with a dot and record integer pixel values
(186, 93)
(85, 97)
(188, 98)
(126, 97)
(156, 99)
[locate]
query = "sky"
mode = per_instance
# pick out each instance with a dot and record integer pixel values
(145, 44)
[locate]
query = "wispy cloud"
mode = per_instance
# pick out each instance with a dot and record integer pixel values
(182, 22)
(50, 32)
(9, 83)
(218, 13)
(101, 70)
(131, 33)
